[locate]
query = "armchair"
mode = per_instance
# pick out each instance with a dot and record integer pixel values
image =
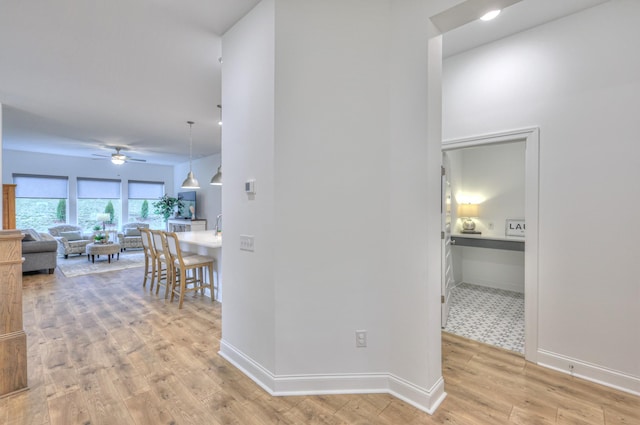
(70, 238)
(130, 237)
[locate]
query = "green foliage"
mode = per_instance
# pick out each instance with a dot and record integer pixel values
(165, 206)
(144, 211)
(109, 209)
(61, 210)
(97, 227)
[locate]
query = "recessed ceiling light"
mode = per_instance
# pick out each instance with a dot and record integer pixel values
(490, 15)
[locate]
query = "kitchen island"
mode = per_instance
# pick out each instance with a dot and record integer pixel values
(205, 242)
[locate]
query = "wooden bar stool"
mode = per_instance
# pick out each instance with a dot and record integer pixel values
(150, 259)
(163, 262)
(189, 273)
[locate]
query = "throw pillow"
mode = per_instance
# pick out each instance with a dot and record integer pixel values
(71, 236)
(30, 235)
(132, 232)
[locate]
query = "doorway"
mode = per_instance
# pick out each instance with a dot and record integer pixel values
(530, 139)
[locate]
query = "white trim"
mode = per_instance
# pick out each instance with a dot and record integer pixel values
(426, 400)
(531, 137)
(590, 372)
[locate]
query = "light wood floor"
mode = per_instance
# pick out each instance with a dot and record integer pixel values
(102, 350)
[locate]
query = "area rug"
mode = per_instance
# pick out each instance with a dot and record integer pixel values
(78, 265)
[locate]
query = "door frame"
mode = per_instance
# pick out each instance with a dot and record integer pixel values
(531, 137)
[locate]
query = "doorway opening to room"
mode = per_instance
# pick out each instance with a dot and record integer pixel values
(489, 245)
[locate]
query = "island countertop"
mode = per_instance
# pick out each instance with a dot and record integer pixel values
(205, 242)
(201, 238)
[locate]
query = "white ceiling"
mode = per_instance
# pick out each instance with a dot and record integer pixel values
(77, 77)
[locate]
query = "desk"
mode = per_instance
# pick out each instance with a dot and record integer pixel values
(204, 242)
(494, 242)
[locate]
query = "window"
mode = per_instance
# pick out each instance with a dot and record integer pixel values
(142, 195)
(41, 201)
(97, 196)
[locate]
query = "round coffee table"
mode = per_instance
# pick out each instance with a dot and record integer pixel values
(108, 249)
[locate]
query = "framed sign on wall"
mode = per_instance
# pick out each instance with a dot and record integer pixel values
(515, 227)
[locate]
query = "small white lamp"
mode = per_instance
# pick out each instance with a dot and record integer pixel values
(468, 211)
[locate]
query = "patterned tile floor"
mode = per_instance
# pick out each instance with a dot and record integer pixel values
(489, 315)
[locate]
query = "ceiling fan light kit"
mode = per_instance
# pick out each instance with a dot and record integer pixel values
(119, 158)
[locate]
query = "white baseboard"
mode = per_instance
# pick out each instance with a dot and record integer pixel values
(590, 372)
(358, 383)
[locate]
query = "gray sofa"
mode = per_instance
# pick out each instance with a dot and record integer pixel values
(39, 251)
(70, 239)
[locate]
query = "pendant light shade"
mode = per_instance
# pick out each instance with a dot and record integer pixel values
(216, 180)
(190, 182)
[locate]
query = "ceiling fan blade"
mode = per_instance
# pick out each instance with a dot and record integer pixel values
(101, 156)
(136, 159)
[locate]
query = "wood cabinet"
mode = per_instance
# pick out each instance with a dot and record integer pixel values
(8, 206)
(13, 339)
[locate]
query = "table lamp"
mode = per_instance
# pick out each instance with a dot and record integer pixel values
(103, 217)
(468, 211)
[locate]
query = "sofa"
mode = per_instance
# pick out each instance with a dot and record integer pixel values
(130, 236)
(39, 251)
(70, 239)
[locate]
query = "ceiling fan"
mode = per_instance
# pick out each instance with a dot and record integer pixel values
(119, 158)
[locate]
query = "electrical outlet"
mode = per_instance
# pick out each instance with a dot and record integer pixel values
(361, 339)
(247, 243)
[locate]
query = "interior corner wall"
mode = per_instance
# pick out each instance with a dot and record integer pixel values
(309, 114)
(578, 80)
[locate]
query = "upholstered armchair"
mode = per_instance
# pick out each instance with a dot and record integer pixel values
(130, 237)
(70, 239)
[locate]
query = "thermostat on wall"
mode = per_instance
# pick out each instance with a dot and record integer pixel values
(250, 187)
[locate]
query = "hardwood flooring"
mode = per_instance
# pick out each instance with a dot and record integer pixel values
(102, 350)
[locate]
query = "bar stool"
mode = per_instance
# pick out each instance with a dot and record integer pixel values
(149, 258)
(183, 264)
(163, 262)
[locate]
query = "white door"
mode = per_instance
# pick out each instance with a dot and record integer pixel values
(447, 260)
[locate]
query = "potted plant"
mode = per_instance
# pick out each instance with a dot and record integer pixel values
(166, 205)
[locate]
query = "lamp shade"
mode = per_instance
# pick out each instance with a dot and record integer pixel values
(468, 210)
(103, 216)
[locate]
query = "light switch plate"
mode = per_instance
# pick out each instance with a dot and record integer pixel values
(247, 243)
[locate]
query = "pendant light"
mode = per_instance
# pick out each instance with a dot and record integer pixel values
(216, 180)
(190, 182)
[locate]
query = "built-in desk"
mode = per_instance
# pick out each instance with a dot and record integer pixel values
(509, 244)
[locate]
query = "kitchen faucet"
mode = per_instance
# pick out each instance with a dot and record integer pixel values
(218, 223)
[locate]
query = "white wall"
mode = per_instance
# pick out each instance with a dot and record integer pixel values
(59, 165)
(333, 123)
(248, 152)
(578, 79)
(209, 198)
(1, 159)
